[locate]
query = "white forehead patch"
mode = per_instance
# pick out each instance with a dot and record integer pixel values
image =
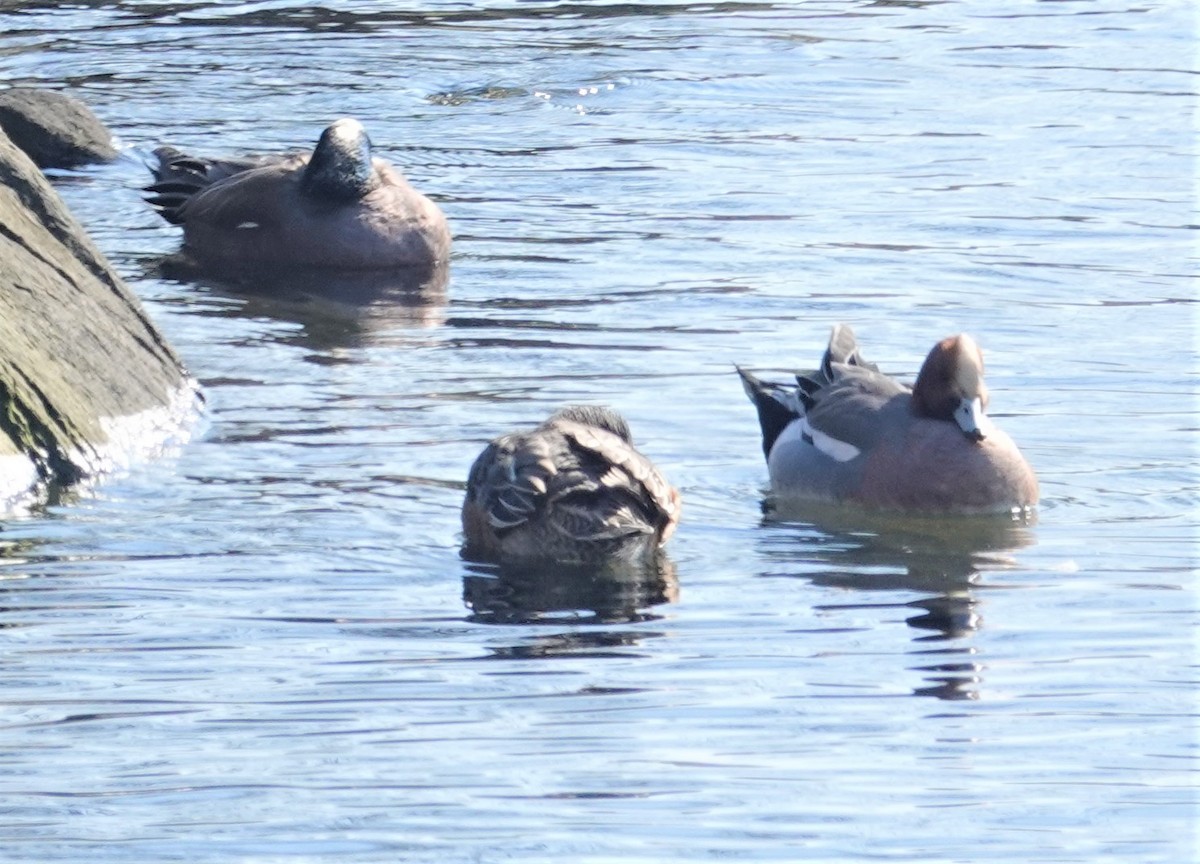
(347, 131)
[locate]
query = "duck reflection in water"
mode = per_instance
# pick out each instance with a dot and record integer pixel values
(335, 309)
(940, 558)
(614, 592)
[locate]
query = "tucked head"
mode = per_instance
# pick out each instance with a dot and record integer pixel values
(595, 415)
(340, 169)
(950, 386)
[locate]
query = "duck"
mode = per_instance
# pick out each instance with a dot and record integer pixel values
(849, 434)
(336, 207)
(573, 490)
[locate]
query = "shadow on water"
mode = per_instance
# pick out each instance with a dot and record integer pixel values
(939, 558)
(615, 593)
(335, 309)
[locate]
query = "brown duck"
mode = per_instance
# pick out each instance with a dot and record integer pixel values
(336, 207)
(573, 490)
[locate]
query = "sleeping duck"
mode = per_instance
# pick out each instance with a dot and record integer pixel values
(572, 490)
(849, 433)
(336, 207)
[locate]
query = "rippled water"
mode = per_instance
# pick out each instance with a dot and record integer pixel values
(266, 648)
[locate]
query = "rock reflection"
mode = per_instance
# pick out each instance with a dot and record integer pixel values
(15, 558)
(941, 558)
(334, 308)
(618, 592)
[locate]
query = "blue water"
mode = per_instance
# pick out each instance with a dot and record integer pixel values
(265, 646)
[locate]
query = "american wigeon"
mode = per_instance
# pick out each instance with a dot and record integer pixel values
(849, 433)
(572, 490)
(336, 207)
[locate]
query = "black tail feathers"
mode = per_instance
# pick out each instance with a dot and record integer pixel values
(776, 407)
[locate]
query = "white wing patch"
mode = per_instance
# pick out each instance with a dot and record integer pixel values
(834, 448)
(247, 225)
(799, 431)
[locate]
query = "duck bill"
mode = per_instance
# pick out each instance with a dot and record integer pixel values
(969, 417)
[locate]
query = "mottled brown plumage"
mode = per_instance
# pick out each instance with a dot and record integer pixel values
(572, 490)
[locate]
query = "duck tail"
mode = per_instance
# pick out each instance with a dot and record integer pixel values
(843, 348)
(177, 177)
(777, 406)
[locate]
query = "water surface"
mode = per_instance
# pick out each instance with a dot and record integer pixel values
(265, 647)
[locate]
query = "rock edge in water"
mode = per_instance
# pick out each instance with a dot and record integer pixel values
(55, 130)
(77, 351)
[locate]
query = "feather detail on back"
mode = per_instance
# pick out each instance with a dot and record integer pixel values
(566, 490)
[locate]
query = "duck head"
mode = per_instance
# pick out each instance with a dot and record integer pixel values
(340, 168)
(950, 386)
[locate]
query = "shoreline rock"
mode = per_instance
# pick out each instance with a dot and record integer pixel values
(54, 129)
(77, 351)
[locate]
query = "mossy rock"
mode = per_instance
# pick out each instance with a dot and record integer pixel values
(77, 350)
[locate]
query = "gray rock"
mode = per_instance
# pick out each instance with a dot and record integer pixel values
(55, 130)
(85, 377)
